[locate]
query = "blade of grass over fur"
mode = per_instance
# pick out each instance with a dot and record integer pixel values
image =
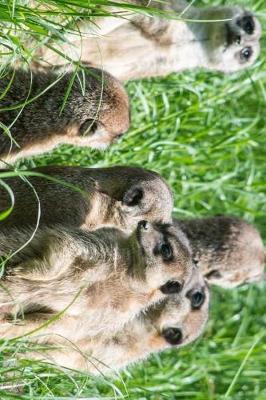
(205, 133)
(4, 214)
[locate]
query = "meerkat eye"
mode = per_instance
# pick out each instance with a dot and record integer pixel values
(166, 251)
(245, 54)
(196, 262)
(89, 126)
(213, 274)
(197, 299)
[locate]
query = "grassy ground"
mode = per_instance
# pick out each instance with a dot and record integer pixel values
(205, 133)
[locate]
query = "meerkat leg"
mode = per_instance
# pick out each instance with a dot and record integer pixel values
(228, 250)
(37, 112)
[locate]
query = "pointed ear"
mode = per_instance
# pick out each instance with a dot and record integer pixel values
(133, 196)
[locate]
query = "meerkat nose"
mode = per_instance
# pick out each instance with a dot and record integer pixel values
(173, 336)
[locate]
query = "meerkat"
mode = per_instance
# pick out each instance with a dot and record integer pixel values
(87, 197)
(103, 277)
(39, 111)
(228, 250)
(176, 321)
(224, 38)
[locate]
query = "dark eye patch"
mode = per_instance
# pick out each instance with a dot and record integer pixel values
(171, 287)
(165, 250)
(89, 126)
(197, 298)
(245, 53)
(213, 274)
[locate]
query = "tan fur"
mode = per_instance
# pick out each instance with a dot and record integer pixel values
(140, 46)
(228, 250)
(145, 334)
(103, 277)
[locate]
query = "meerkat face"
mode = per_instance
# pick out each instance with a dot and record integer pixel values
(233, 43)
(180, 319)
(110, 116)
(149, 200)
(167, 256)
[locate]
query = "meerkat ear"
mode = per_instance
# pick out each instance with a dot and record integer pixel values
(133, 196)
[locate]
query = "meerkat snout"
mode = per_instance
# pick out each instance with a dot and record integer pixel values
(247, 23)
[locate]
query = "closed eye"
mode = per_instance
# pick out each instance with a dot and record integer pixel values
(166, 251)
(89, 126)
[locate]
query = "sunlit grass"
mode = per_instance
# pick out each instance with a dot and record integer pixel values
(205, 133)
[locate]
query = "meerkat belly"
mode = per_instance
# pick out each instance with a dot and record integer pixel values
(129, 53)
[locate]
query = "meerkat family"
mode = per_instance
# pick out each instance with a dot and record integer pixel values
(92, 261)
(147, 287)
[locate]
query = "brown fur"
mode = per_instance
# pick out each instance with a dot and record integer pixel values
(119, 196)
(96, 111)
(229, 251)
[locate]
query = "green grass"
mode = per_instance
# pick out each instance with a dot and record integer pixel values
(205, 133)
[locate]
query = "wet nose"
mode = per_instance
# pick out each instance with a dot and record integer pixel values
(173, 336)
(171, 287)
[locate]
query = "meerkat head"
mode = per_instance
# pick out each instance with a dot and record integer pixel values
(150, 200)
(180, 319)
(241, 260)
(233, 38)
(139, 194)
(166, 255)
(103, 113)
